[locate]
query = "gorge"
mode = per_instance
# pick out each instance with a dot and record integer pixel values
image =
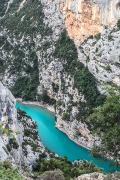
(57, 142)
(64, 56)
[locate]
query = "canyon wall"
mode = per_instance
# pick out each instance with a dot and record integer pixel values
(7, 110)
(84, 18)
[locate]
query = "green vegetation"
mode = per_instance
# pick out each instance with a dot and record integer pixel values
(26, 86)
(32, 22)
(66, 116)
(7, 172)
(29, 131)
(32, 133)
(105, 121)
(22, 26)
(23, 66)
(83, 79)
(69, 170)
(45, 98)
(5, 130)
(2, 7)
(110, 38)
(118, 24)
(96, 152)
(108, 68)
(55, 87)
(97, 36)
(12, 144)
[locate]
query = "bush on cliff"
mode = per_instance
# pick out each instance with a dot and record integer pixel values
(69, 170)
(118, 24)
(7, 172)
(105, 121)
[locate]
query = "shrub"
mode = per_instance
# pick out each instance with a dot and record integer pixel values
(26, 86)
(55, 87)
(105, 122)
(108, 68)
(118, 24)
(66, 116)
(96, 152)
(110, 38)
(45, 98)
(69, 170)
(97, 36)
(8, 172)
(13, 143)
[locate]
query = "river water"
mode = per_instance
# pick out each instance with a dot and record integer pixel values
(58, 142)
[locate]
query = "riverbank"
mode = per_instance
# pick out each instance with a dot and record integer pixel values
(39, 104)
(69, 128)
(59, 143)
(83, 137)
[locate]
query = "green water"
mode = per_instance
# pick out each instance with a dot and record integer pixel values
(59, 143)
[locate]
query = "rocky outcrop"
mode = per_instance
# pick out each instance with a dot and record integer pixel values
(92, 176)
(31, 146)
(6, 98)
(87, 17)
(99, 176)
(52, 175)
(7, 113)
(101, 56)
(19, 142)
(3, 154)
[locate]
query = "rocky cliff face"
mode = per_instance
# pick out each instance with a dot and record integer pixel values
(83, 19)
(98, 176)
(7, 111)
(19, 142)
(89, 17)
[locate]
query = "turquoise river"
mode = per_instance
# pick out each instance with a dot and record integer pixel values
(58, 142)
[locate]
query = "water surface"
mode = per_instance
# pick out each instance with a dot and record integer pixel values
(58, 142)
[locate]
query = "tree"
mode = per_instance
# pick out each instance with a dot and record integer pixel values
(105, 121)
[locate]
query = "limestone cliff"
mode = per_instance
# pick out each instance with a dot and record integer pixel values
(99, 176)
(7, 111)
(89, 17)
(19, 142)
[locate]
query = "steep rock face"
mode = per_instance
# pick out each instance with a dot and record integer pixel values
(19, 142)
(93, 176)
(87, 17)
(31, 146)
(99, 176)
(7, 110)
(52, 175)
(53, 17)
(6, 98)
(102, 56)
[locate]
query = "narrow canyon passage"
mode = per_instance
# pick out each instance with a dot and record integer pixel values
(58, 142)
